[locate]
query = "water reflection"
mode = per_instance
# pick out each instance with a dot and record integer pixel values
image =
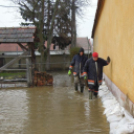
(51, 110)
(13, 111)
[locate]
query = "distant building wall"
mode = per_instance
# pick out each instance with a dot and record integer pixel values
(16, 65)
(56, 62)
(59, 59)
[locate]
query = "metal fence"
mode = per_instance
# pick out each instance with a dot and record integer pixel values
(23, 77)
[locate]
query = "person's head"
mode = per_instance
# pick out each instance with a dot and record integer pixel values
(95, 56)
(81, 52)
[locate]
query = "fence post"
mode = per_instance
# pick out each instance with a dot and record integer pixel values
(27, 65)
(64, 60)
(29, 72)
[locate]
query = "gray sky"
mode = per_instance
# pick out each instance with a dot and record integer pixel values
(10, 17)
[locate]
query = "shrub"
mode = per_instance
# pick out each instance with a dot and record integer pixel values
(74, 51)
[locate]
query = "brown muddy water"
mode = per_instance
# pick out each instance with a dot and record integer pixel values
(51, 110)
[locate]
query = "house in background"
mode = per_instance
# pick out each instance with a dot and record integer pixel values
(57, 56)
(113, 34)
(83, 42)
(12, 41)
(9, 50)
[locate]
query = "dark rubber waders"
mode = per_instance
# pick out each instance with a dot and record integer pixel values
(82, 89)
(90, 95)
(76, 87)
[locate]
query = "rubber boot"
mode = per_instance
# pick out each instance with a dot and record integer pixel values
(90, 95)
(96, 95)
(76, 87)
(82, 89)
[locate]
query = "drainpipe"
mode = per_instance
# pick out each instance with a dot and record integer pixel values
(88, 47)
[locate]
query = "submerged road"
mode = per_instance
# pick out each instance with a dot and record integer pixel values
(51, 110)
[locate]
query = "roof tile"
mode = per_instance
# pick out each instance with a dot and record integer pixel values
(17, 35)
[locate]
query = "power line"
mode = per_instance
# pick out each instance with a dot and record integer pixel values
(9, 6)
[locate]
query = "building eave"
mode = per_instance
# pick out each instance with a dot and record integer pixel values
(97, 15)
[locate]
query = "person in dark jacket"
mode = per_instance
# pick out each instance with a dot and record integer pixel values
(93, 69)
(77, 65)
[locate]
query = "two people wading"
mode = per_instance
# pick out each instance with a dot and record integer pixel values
(88, 68)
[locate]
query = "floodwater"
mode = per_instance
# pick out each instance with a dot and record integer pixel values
(51, 110)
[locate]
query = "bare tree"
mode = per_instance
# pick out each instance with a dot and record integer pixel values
(76, 8)
(54, 19)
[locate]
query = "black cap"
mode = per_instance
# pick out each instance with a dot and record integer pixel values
(81, 50)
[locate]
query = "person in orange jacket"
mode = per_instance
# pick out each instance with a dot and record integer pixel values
(93, 69)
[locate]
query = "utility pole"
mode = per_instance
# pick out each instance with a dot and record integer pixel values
(89, 47)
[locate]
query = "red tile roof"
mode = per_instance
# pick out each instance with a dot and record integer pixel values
(82, 42)
(12, 47)
(17, 34)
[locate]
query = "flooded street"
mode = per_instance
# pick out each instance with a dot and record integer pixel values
(51, 110)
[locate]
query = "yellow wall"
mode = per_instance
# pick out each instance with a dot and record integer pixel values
(114, 37)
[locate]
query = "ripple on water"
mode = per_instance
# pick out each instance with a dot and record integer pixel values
(50, 110)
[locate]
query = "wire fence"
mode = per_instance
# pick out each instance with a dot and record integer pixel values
(19, 75)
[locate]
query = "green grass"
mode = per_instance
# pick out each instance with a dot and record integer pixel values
(8, 74)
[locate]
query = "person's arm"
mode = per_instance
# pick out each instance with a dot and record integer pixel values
(105, 62)
(85, 60)
(86, 68)
(72, 63)
(71, 66)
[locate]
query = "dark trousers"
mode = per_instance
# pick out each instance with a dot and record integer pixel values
(78, 80)
(94, 88)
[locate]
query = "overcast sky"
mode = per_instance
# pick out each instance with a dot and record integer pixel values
(10, 17)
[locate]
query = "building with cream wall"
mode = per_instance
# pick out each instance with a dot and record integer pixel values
(113, 35)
